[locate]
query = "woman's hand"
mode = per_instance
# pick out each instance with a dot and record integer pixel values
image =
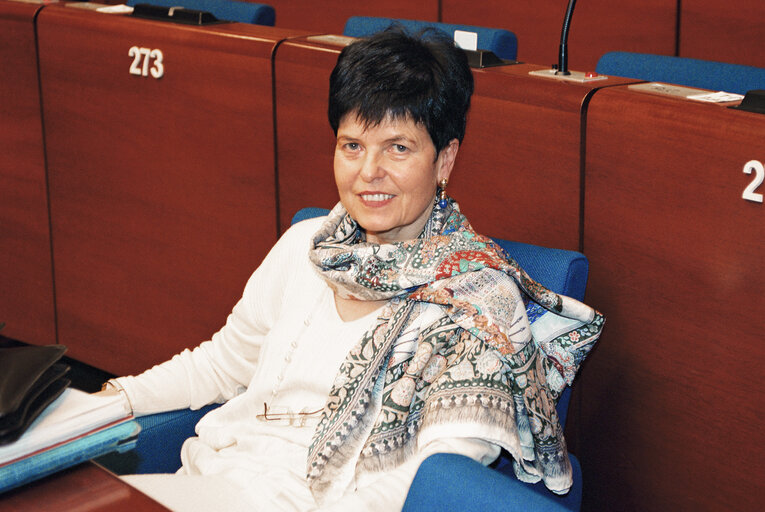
(109, 391)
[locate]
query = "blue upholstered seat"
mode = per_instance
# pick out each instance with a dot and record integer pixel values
(717, 76)
(228, 10)
(447, 482)
(443, 481)
(502, 42)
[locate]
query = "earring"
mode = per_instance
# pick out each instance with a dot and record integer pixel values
(442, 202)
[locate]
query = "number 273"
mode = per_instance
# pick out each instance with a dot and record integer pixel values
(142, 62)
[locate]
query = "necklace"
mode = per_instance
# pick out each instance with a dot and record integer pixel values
(293, 418)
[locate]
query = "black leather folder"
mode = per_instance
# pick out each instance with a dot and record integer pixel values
(31, 378)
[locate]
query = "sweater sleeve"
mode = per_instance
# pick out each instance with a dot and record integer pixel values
(219, 369)
(388, 492)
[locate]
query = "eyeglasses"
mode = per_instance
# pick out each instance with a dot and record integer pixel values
(297, 419)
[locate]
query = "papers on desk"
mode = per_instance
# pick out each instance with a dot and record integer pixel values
(690, 93)
(716, 97)
(74, 428)
(73, 414)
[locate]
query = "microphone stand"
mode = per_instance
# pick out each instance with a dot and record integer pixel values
(562, 68)
(560, 71)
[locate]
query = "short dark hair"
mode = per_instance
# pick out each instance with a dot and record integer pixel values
(423, 77)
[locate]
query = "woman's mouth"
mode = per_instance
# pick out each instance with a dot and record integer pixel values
(376, 197)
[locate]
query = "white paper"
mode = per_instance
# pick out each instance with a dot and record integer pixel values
(116, 9)
(716, 97)
(466, 40)
(72, 414)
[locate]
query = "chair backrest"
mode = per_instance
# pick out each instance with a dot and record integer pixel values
(562, 271)
(227, 10)
(502, 42)
(704, 74)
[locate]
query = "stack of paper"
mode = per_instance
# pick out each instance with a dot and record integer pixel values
(76, 427)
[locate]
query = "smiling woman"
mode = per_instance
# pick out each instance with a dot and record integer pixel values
(380, 334)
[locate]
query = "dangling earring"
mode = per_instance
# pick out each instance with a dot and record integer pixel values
(442, 202)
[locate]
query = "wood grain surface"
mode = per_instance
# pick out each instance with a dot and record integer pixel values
(162, 190)
(517, 175)
(670, 414)
(84, 488)
(730, 31)
(26, 279)
(597, 27)
(329, 16)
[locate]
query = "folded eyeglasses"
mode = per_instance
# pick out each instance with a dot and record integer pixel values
(297, 419)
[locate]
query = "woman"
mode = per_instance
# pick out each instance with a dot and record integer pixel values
(374, 337)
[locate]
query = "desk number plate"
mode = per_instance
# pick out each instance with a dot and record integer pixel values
(754, 167)
(146, 61)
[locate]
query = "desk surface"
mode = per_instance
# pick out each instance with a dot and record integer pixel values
(85, 487)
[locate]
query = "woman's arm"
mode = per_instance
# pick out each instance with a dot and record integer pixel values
(219, 369)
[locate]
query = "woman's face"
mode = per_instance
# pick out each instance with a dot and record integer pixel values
(387, 175)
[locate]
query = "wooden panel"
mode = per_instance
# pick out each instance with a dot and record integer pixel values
(330, 15)
(26, 280)
(723, 31)
(83, 488)
(517, 174)
(598, 26)
(305, 142)
(162, 190)
(671, 412)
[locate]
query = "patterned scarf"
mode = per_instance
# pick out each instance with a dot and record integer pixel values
(468, 345)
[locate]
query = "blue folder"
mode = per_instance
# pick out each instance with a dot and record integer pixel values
(119, 437)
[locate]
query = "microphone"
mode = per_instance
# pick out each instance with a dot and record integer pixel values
(560, 71)
(562, 68)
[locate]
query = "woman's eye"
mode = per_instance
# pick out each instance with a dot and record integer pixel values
(352, 146)
(400, 148)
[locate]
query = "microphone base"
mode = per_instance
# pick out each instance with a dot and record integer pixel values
(485, 59)
(573, 76)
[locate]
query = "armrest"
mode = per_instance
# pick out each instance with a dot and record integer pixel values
(158, 449)
(447, 481)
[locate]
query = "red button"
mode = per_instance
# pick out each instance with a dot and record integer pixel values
(590, 74)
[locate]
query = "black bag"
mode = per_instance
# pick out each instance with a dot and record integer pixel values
(30, 379)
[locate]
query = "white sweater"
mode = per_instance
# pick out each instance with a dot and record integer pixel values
(282, 344)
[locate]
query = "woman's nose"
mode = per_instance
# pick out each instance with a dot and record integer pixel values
(371, 167)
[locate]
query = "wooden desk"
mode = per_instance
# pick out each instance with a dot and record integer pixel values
(518, 171)
(330, 15)
(730, 31)
(84, 488)
(670, 415)
(305, 144)
(597, 27)
(160, 159)
(26, 276)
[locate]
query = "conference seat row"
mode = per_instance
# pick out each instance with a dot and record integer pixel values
(701, 29)
(135, 206)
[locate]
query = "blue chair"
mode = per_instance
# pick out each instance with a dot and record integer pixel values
(227, 10)
(444, 481)
(501, 42)
(717, 76)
